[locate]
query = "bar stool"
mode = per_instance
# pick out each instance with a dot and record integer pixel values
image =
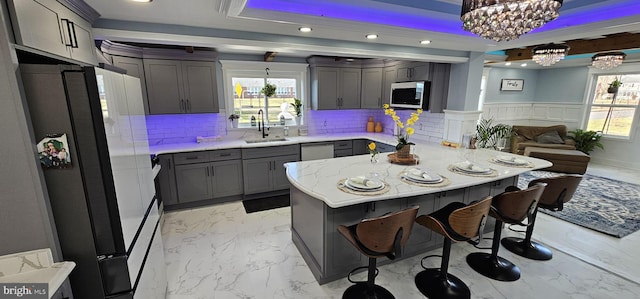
(512, 206)
(377, 237)
(559, 190)
(456, 222)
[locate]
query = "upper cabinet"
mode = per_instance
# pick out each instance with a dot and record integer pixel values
(175, 86)
(412, 71)
(49, 26)
(134, 68)
(335, 88)
(439, 75)
(372, 88)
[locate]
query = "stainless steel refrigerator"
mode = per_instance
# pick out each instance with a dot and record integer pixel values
(101, 189)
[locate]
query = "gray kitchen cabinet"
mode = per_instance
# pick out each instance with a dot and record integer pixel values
(336, 88)
(135, 68)
(175, 86)
(388, 77)
(342, 148)
(371, 88)
(51, 27)
(208, 175)
(421, 237)
(361, 146)
(412, 71)
(439, 75)
(264, 170)
(166, 181)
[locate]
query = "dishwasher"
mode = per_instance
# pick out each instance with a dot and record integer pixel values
(316, 151)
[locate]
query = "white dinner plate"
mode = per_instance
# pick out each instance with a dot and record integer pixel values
(511, 160)
(360, 187)
(422, 176)
(470, 167)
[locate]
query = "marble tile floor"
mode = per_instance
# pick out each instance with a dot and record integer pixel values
(221, 252)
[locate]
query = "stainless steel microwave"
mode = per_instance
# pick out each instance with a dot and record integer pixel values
(410, 95)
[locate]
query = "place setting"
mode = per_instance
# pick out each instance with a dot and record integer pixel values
(511, 161)
(472, 169)
(363, 185)
(423, 177)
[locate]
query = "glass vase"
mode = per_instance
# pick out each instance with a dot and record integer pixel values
(374, 161)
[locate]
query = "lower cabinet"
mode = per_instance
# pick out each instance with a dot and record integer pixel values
(264, 170)
(166, 181)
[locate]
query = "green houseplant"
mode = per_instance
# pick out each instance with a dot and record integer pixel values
(488, 134)
(297, 105)
(614, 85)
(586, 141)
(268, 90)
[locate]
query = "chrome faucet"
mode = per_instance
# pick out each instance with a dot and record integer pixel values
(261, 124)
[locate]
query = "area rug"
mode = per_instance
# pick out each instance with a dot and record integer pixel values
(601, 204)
(268, 203)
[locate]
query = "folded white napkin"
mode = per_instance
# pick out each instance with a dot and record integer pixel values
(470, 166)
(420, 173)
(507, 158)
(361, 180)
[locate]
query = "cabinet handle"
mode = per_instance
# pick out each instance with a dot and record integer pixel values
(188, 105)
(373, 206)
(181, 105)
(192, 158)
(68, 23)
(74, 41)
(208, 171)
(213, 171)
(225, 155)
(408, 73)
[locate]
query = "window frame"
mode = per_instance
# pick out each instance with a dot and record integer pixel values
(257, 69)
(625, 69)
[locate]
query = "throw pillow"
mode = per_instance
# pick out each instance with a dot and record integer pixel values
(551, 137)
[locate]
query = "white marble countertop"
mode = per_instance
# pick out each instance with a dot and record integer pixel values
(241, 143)
(319, 178)
(34, 266)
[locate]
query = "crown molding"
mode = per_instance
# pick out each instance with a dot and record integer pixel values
(82, 9)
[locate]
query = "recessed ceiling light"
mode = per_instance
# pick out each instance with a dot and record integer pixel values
(507, 63)
(425, 42)
(304, 29)
(141, 0)
(371, 36)
(523, 65)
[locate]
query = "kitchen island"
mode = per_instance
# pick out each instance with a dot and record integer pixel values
(318, 206)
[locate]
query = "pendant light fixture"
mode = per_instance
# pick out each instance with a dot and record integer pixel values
(608, 60)
(549, 54)
(505, 20)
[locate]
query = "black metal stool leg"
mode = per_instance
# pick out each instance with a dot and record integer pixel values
(491, 265)
(527, 248)
(437, 283)
(368, 289)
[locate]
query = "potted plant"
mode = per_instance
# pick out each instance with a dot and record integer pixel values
(488, 135)
(405, 130)
(233, 118)
(268, 90)
(614, 85)
(586, 141)
(297, 105)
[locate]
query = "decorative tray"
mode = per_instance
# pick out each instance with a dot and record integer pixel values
(412, 160)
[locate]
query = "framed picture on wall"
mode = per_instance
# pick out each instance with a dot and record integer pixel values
(512, 85)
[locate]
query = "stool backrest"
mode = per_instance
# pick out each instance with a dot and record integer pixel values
(515, 206)
(559, 189)
(467, 220)
(379, 234)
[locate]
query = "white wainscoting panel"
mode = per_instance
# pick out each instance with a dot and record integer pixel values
(535, 114)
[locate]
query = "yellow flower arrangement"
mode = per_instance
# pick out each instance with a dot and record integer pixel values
(372, 149)
(406, 129)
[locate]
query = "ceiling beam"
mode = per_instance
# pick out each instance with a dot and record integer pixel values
(269, 56)
(615, 42)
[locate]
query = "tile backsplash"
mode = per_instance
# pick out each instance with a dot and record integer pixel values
(180, 128)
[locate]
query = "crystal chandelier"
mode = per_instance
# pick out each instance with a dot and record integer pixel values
(547, 55)
(607, 61)
(505, 20)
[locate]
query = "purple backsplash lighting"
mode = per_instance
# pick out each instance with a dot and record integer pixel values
(180, 128)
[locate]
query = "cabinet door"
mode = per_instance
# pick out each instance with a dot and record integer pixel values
(194, 182)
(361, 146)
(167, 181)
(83, 47)
(327, 90)
(227, 178)
(447, 197)
(200, 92)
(280, 180)
(477, 192)
(371, 88)
(403, 73)
(134, 68)
(349, 88)
(38, 25)
(420, 71)
(164, 86)
(257, 175)
(347, 152)
(439, 87)
(389, 78)
(343, 256)
(421, 237)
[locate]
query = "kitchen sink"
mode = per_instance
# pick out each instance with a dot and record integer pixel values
(265, 140)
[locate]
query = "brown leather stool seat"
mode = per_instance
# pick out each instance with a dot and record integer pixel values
(559, 190)
(513, 206)
(377, 237)
(456, 222)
